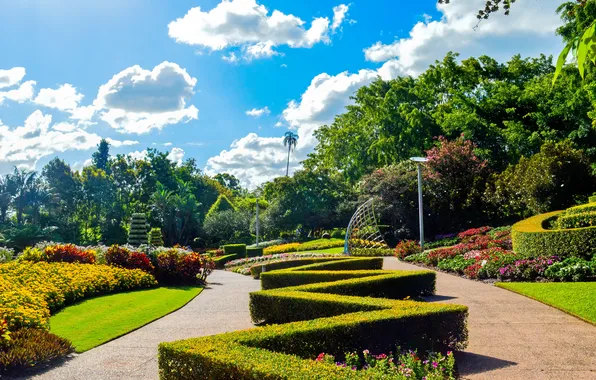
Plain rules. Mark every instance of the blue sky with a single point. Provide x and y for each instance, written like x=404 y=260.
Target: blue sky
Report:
x=173 y=76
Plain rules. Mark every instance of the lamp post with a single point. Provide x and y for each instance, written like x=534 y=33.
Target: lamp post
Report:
x=419 y=161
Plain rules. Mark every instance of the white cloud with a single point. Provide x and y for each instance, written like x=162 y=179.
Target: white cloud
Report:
x=137 y=155
x=137 y=100
x=247 y=24
x=232 y=58
x=529 y=29
x=79 y=166
x=23 y=146
x=339 y=14
x=11 y=77
x=63 y=98
x=167 y=144
x=176 y=155
x=279 y=124
x=252 y=159
x=21 y=94
x=258 y=112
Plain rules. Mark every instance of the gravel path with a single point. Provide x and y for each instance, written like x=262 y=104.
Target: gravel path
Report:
x=515 y=337
x=221 y=307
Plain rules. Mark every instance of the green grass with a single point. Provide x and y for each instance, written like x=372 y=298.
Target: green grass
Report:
x=575 y=298
x=337 y=250
x=98 y=320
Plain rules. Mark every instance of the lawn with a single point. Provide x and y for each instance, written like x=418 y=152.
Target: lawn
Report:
x=576 y=298
x=334 y=250
x=98 y=320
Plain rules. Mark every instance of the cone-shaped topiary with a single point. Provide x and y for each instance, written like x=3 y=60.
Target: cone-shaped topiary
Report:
x=221 y=204
x=156 y=238
x=138 y=230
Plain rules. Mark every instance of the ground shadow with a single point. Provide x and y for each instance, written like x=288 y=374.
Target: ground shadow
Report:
x=40 y=369
x=469 y=363
x=437 y=298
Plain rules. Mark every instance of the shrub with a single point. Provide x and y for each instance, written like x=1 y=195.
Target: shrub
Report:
x=473 y=232
x=254 y=251
x=138 y=230
x=156 y=238
x=371 y=252
x=117 y=256
x=406 y=248
x=572 y=269
x=456 y=264
x=238 y=249
x=68 y=253
x=527 y=269
x=220 y=261
x=29 y=291
x=531 y=239
x=338 y=234
x=221 y=204
x=445 y=242
x=6 y=254
x=592 y=199
x=177 y=268
x=576 y=220
x=314 y=245
x=345 y=324
x=32 y=346
x=268 y=243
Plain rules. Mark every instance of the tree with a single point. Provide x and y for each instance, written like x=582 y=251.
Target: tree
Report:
x=290 y=140
x=20 y=185
x=221 y=204
x=229 y=181
x=101 y=158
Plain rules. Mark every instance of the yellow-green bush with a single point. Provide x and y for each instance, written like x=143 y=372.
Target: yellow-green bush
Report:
x=531 y=238
x=256 y=270
x=344 y=323
x=314 y=245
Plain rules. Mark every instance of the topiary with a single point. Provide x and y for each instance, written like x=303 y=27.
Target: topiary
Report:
x=138 y=230
x=156 y=237
x=221 y=204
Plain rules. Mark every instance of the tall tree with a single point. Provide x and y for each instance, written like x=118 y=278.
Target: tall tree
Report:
x=290 y=140
x=101 y=158
x=20 y=185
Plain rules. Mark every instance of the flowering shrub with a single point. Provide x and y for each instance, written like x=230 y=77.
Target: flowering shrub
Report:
x=572 y=269
x=6 y=254
x=29 y=291
x=406 y=248
x=125 y=258
x=473 y=232
x=117 y=256
x=527 y=269
x=174 y=267
x=406 y=365
x=68 y=253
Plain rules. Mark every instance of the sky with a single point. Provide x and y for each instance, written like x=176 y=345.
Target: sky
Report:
x=221 y=81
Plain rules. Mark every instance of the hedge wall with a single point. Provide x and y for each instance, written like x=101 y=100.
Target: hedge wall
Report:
x=221 y=261
x=239 y=249
x=592 y=199
x=254 y=251
x=344 y=323
x=531 y=239
x=256 y=270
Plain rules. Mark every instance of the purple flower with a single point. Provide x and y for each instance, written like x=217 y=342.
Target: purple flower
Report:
x=435 y=364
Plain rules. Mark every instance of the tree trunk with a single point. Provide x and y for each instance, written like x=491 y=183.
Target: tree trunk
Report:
x=288 y=166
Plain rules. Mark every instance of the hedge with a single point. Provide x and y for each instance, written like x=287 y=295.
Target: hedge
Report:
x=344 y=323
x=530 y=238
x=576 y=220
x=254 y=251
x=592 y=199
x=221 y=261
x=372 y=252
x=589 y=207
x=239 y=249
x=256 y=270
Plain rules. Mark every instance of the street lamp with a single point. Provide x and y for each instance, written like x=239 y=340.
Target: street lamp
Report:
x=419 y=161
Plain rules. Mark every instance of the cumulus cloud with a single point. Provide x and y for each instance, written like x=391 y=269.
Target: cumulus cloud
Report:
x=11 y=77
x=248 y=25
x=258 y=112
x=137 y=100
x=528 y=29
x=63 y=98
x=176 y=155
x=24 y=145
x=21 y=94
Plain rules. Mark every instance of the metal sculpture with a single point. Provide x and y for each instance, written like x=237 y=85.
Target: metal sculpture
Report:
x=363 y=230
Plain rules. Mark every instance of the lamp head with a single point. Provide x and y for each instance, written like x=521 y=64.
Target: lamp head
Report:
x=419 y=159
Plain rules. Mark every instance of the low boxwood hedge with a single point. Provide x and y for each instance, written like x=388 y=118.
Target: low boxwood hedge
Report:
x=577 y=220
x=531 y=238
x=344 y=323
x=592 y=199
x=239 y=249
x=221 y=261
x=254 y=251
x=256 y=270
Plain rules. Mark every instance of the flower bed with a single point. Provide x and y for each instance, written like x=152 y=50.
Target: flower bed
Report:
x=348 y=320
x=314 y=245
x=244 y=265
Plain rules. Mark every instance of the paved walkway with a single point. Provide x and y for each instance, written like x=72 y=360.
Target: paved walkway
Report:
x=222 y=307
x=514 y=337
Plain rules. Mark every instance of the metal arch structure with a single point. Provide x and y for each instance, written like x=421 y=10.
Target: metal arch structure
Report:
x=363 y=230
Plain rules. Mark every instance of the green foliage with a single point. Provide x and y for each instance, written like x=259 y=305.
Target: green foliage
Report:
x=138 y=230
x=221 y=204
x=576 y=220
x=29 y=347
x=221 y=261
x=254 y=251
x=531 y=238
x=257 y=269
x=456 y=264
x=345 y=324
x=356 y=251
x=572 y=269
x=155 y=237
x=229 y=227
x=542 y=182
x=446 y=242
x=238 y=249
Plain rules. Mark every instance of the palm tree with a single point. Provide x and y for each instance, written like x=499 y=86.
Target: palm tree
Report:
x=20 y=184
x=290 y=140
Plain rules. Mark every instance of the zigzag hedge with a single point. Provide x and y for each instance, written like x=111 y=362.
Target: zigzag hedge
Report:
x=346 y=320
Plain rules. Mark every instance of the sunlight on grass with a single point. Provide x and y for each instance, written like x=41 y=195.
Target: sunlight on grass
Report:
x=98 y=320
x=329 y=250
x=576 y=298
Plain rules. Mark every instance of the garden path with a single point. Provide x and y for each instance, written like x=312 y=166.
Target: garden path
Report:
x=515 y=337
x=221 y=307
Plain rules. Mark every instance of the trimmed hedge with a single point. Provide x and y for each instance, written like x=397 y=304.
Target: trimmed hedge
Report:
x=254 y=251
x=256 y=270
x=239 y=249
x=576 y=220
x=345 y=324
x=531 y=239
x=592 y=199
x=372 y=252
x=221 y=261
x=588 y=207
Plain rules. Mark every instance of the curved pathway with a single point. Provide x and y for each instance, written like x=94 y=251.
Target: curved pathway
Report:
x=515 y=337
x=221 y=307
